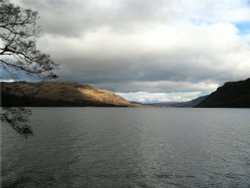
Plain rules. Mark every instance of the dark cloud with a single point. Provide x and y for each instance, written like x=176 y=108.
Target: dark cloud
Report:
x=74 y=18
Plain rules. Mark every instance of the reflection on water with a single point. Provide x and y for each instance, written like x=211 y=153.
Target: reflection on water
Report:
x=17 y=118
x=125 y=147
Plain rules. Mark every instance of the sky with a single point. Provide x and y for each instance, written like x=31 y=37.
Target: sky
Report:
x=147 y=50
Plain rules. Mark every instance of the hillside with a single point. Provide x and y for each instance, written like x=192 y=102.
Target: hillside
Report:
x=58 y=94
x=231 y=94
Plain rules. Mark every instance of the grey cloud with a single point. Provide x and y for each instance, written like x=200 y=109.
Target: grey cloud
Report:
x=123 y=71
x=59 y=17
x=74 y=18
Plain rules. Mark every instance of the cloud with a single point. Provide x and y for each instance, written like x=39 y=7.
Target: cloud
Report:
x=146 y=46
x=7 y=80
x=184 y=52
x=73 y=18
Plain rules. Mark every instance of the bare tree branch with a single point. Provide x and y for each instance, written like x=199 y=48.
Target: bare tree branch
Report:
x=18 y=34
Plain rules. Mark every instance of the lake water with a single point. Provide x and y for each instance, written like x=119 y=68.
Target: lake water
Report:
x=129 y=147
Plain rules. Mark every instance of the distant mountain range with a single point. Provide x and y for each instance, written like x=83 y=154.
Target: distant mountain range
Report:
x=231 y=94
x=58 y=94
x=191 y=103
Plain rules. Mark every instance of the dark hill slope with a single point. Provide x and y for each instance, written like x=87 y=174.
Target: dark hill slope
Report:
x=58 y=94
x=231 y=94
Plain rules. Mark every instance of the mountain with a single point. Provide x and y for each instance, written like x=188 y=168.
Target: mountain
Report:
x=231 y=94
x=58 y=94
x=191 y=103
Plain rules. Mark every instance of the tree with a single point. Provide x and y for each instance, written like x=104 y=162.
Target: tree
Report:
x=18 y=34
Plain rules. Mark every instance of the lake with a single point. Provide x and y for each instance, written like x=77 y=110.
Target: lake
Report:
x=129 y=147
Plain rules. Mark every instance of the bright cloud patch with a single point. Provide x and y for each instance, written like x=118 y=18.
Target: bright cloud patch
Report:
x=145 y=97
